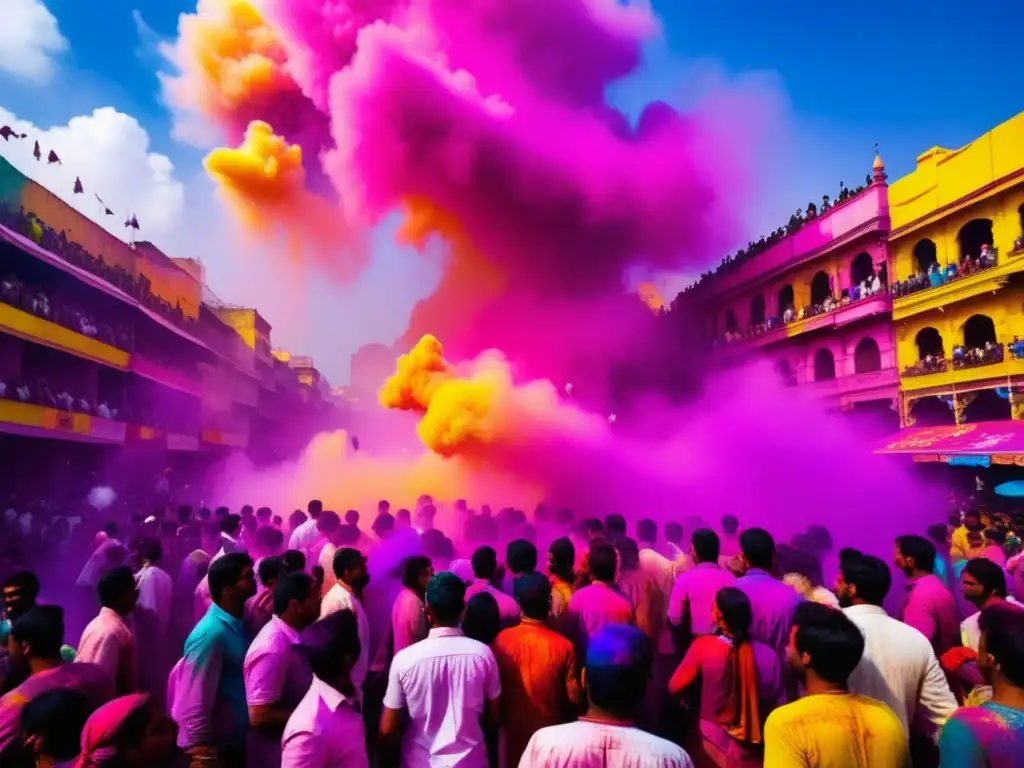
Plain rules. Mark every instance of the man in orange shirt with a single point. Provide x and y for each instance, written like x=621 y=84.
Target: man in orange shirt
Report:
x=538 y=670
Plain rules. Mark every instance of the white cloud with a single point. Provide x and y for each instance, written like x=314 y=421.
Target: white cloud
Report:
x=109 y=151
x=30 y=40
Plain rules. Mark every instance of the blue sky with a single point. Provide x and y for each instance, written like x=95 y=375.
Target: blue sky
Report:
x=908 y=75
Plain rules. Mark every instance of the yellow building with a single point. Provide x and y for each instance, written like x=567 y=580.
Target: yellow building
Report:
x=957 y=250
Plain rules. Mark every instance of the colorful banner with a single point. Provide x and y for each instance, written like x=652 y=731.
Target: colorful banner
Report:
x=985 y=438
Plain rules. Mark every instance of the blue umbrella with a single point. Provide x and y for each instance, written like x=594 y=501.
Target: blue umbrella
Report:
x=1013 y=489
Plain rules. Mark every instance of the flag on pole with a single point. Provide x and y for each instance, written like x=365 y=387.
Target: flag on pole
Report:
x=132 y=222
x=103 y=205
x=37 y=152
x=7 y=133
x=52 y=158
x=78 y=186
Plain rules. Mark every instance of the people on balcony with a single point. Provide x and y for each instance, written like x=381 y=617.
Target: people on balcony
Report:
x=1016 y=348
x=937 y=275
x=29 y=225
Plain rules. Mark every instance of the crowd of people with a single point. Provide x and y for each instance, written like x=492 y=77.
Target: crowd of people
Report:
x=936 y=275
x=872 y=285
x=796 y=222
x=221 y=639
x=28 y=224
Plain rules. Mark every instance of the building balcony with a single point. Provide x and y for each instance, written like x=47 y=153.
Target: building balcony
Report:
x=913 y=299
x=39 y=329
x=815 y=319
x=973 y=366
x=857 y=387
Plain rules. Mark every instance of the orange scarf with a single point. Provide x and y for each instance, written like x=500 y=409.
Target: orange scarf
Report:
x=745 y=725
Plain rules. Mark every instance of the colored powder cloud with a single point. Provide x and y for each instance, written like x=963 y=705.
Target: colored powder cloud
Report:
x=651 y=296
x=264 y=182
x=493 y=118
x=234 y=69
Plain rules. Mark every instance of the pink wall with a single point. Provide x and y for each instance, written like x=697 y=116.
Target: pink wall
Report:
x=867 y=212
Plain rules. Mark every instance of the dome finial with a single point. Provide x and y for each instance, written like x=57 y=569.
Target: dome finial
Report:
x=878 y=167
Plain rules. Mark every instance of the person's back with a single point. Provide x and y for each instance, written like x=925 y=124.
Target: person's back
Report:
x=835 y=730
x=538 y=670
x=773 y=602
x=445 y=684
x=618 y=667
x=588 y=743
x=445 y=675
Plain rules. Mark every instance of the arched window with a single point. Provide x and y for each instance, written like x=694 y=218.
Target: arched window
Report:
x=824 y=365
x=929 y=342
x=785 y=298
x=989 y=405
x=932 y=412
x=866 y=357
x=820 y=289
x=861 y=268
x=730 y=321
x=978 y=330
x=757 y=310
x=973 y=235
x=786 y=372
x=925 y=254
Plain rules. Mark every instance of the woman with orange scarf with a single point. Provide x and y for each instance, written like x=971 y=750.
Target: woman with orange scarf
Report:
x=740 y=683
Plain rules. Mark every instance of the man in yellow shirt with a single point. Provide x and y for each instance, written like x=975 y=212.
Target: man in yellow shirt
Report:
x=830 y=727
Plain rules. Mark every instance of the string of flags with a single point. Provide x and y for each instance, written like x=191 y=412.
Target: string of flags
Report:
x=7 y=133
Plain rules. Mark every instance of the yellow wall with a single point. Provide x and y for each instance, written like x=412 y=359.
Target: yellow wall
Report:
x=1001 y=208
x=944 y=176
x=949 y=188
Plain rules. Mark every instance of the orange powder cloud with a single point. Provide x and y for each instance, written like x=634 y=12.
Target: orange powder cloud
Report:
x=264 y=182
x=650 y=296
x=468 y=283
x=232 y=63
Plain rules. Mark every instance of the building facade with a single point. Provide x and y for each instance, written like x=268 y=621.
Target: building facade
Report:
x=106 y=343
x=812 y=298
x=957 y=244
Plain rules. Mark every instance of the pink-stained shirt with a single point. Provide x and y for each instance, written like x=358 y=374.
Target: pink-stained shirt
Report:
x=98 y=563
x=325 y=731
x=304 y=536
x=443 y=683
x=89 y=679
x=931 y=609
x=107 y=641
x=590 y=744
x=698 y=587
x=508 y=608
x=772 y=605
x=408 y=620
x=276 y=673
x=341 y=599
x=592 y=608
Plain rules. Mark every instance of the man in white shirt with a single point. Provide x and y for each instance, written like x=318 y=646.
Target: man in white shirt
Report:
x=305 y=535
x=351 y=576
x=899 y=666
x=107 y=640
x=446 y=684
x=152 y=616
x=326 y=729
x=616 y=675
x=344 y=536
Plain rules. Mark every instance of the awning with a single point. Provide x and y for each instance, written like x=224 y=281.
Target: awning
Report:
x=985 y=438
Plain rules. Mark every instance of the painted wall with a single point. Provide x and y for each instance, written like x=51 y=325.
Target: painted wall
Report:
x=800 y=352
x=945 y=176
